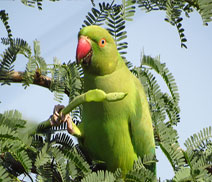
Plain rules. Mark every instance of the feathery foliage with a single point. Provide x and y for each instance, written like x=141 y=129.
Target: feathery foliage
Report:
x=75 y=85
x=51 y=153
x=164 y=108
x=4 y=176
x=48 y=155
x=58 y=73
x=205 y=11
x=4 y=18
x=198 y=158
x=33 y=3
x=140 y=173
x=174 y=18
x=100 y=176
x=116 y=25
x=9 y=57
x=97 y=16
x=175 y=9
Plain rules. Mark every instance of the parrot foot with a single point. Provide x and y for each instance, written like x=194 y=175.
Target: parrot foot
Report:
x=58 y=118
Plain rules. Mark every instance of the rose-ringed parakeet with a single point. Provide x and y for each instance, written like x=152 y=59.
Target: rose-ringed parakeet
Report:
x=114 y=132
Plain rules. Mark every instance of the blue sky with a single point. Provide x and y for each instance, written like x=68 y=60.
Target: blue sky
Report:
x=56 y=27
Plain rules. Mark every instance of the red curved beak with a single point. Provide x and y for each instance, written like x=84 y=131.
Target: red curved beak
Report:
x=83 y=48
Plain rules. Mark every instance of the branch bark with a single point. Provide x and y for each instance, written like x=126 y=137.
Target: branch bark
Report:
x=39 y=79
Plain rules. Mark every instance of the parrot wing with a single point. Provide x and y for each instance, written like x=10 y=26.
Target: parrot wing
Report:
x=142 y=135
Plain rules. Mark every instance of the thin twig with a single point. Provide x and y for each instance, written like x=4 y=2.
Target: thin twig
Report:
x=39 y=79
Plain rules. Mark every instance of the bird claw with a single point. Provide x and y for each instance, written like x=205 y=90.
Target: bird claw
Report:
x=58 y=118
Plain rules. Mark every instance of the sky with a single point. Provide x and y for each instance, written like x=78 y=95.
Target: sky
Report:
x=57 y=26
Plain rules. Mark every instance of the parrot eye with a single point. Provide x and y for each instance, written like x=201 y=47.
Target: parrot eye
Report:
x=102 y=42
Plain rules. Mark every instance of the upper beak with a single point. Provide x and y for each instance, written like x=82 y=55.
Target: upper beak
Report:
x=83 y=49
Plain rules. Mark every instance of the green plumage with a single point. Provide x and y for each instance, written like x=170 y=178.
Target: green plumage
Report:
x=114 y=132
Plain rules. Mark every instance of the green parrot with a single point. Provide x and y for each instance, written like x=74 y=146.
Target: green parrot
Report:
x=114 y=132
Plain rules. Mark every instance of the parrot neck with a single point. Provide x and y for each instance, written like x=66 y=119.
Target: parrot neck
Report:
x=120 y=64
x=90 y=79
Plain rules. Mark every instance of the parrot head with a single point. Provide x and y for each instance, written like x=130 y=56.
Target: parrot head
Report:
x=96 y=51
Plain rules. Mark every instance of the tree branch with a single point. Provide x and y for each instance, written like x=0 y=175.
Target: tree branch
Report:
x=39 y=79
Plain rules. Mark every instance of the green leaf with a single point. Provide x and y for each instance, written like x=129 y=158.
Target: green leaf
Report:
x=196 y=141
x=4 y=18
x=43 y=156
x=4 y=176
x=99 y=176
x=182 y=175
x=23 y=158
x=78 y=161
x=155 y=64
